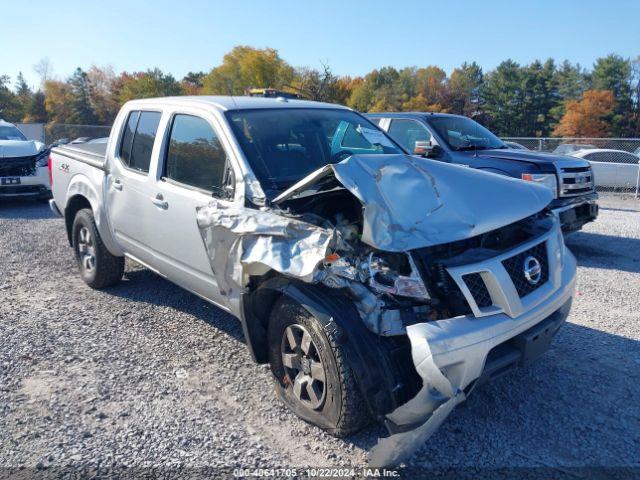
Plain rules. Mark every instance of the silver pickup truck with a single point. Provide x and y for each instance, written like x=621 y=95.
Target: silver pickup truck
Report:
x=377 y=285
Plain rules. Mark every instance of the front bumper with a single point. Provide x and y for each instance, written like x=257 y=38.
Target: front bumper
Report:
x=574 y=213
x=460 y=345
x=453 y=355
x=36 y=185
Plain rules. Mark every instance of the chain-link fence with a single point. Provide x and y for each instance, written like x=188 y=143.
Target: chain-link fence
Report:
x=55 y=132
x=614 y=160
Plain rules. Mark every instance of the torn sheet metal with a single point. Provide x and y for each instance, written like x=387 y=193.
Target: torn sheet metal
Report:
x=414 y=422
x=243 y=241
x=405 y=207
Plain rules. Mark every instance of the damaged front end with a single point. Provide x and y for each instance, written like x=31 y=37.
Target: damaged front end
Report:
x=422 y=249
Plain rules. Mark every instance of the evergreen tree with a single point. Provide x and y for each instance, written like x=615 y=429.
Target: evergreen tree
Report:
x=81 y=110
x=23 y=95
x=539 y=97
x=503 y=99
x=9 y=105
x=613 y=73
x=35 y=111
x=465 y=90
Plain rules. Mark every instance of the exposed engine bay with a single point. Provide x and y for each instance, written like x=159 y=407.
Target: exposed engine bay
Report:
x=409 y=287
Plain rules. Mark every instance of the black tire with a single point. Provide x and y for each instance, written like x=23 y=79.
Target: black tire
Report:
x=343 y=409
x=104 y=269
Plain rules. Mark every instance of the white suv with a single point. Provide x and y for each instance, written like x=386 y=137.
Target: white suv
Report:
x=23 y=165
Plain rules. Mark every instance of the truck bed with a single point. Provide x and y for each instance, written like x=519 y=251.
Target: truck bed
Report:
x=91 y=153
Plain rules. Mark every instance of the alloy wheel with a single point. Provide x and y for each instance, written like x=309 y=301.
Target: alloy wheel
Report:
x=86 y=250
x=303 y=366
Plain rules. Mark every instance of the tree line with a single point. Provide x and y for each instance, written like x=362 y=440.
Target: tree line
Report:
x=539 y=99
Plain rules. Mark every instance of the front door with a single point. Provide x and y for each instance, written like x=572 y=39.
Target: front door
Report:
x=191 y=173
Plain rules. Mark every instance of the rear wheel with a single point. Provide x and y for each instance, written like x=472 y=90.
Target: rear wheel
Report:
x=98 y=267
x=312 y=373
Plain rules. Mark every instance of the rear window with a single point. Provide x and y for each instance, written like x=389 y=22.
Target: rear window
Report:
x=138 y=138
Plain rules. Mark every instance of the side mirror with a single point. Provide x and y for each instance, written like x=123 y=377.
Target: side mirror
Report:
x=424 y=148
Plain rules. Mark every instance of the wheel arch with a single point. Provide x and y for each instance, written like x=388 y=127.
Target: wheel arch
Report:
x=81 y=193
x=74 y=205
x=370 y=355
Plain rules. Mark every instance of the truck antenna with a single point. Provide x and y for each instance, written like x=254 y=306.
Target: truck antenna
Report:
x=230 y=91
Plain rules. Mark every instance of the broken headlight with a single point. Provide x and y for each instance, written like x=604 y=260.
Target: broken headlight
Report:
x=42 y=160
x=396 y=274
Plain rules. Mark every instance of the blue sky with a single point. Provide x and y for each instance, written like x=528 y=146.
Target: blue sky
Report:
x=352 y=36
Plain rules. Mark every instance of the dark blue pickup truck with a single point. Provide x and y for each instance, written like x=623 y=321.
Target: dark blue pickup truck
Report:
x=460 y=140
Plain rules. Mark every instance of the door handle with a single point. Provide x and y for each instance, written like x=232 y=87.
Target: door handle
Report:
x=117 y=184
x=159 y=202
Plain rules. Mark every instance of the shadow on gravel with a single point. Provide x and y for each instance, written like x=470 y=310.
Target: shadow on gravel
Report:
x=145 y=286
x=26 y=208
x=612 y=252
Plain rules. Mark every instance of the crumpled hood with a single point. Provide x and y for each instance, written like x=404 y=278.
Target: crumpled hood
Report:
x=19 y=148
x=410 y=202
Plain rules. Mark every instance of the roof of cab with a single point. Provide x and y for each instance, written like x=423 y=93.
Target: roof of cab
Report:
x=238 y=102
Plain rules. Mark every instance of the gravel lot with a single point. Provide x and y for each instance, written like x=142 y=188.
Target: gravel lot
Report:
x=146 y=374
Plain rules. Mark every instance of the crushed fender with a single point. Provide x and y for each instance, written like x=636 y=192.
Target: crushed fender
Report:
x=243 y=241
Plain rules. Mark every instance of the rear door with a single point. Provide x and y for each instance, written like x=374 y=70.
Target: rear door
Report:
x=130 y=183
x=191 y=173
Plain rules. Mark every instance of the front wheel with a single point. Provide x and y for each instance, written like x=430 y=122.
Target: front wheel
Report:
x=312 y=372
x=98 y=267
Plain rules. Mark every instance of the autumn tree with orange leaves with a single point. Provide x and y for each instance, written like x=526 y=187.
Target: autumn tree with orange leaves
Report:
x=589 y=116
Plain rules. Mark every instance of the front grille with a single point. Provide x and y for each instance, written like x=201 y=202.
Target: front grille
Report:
x=18 y=166
x=515 y=268
x=575 y=181
x=478 y=289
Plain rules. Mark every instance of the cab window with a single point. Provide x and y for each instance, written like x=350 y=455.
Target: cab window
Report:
x=137 y=140
x=195 y=156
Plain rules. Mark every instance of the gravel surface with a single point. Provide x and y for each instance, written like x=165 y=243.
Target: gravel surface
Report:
x=146 y=374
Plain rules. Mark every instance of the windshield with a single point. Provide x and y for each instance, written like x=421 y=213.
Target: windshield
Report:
x=284 y=145
x=462 y=133
x=9 y=132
